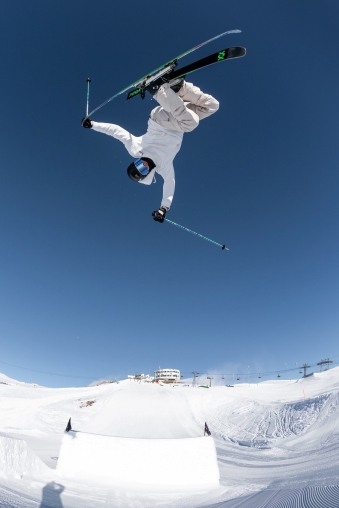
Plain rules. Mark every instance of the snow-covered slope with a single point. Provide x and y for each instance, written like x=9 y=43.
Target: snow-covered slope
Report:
x=9 y=381
x=277 y=441
x=145 y=411
x=261 y=415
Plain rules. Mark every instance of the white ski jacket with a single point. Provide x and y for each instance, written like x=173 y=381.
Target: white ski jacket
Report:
x=166 y=127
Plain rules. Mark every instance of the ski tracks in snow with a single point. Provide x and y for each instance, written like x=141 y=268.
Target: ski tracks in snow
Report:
x=261 y=425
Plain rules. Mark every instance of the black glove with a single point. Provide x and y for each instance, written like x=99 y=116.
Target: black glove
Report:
x=177 y=84
x=153 y=87
x=86 y=122
x=159 y=215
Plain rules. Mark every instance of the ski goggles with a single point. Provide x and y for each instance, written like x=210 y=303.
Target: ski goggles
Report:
x=141 y=167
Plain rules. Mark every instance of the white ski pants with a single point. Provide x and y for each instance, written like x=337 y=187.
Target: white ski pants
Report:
x=175 y=114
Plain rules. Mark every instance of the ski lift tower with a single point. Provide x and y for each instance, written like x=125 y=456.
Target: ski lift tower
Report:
x=324 y=362
x=305 y=367
x=195 y=375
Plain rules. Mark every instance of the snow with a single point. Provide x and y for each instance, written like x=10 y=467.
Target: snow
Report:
x=158 y=413
x=18 y=460
x=190 y=462
x=9 y=381
x=277 y=444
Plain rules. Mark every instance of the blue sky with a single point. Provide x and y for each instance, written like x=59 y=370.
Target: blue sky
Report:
x=90 y=285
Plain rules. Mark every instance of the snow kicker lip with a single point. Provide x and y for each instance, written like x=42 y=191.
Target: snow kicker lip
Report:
x=190 y=462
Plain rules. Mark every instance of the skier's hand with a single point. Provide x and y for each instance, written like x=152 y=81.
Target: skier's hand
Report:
x=154 y=86
x=177 y=84
x=159 y=215
x=86 y=122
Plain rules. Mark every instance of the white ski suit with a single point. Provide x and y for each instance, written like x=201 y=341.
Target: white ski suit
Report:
x=166 y=127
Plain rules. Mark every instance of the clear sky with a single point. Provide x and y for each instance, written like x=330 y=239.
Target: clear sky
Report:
x=90 y=285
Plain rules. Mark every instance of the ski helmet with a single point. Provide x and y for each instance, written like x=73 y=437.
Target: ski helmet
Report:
x=138 y=170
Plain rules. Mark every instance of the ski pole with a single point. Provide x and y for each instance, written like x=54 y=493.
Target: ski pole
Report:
x=197 y=234
x=88 y=82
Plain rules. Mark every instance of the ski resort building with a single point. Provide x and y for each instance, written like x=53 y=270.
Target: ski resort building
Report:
x=167 y=375
x=146 y=378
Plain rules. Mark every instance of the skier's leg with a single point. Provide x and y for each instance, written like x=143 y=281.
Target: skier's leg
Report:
x=201 y=103
x=173 y=112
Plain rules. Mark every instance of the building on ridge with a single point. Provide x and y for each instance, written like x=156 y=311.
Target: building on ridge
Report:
x=145 y=378
x=167 y=375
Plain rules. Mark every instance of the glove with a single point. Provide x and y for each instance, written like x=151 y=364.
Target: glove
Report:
x=177 y=84
x=86 y=122
x=153 y=87
x=159 y=215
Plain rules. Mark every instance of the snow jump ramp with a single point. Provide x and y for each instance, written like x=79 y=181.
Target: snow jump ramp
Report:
x=161 y=463
x=145 y=435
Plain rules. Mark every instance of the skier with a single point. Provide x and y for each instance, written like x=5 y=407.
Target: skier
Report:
x=181 y=106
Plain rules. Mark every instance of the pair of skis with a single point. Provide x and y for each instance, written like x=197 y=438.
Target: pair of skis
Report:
x=140 y=85
x=225 y=54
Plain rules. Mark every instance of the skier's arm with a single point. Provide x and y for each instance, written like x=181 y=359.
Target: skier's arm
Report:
x=168 y=188
x=115 y=131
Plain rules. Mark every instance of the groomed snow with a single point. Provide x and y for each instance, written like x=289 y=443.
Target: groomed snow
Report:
x=277 y=442
x=143 y=410
x=184 y=463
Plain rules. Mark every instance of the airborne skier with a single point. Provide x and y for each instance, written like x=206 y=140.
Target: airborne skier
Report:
x=181 y=106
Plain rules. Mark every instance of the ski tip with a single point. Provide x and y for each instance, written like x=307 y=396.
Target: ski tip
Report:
x=236 y=31
x=224 y=247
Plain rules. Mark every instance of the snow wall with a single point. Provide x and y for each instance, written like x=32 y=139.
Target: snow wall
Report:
x=18 y=460
x=190 y=462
